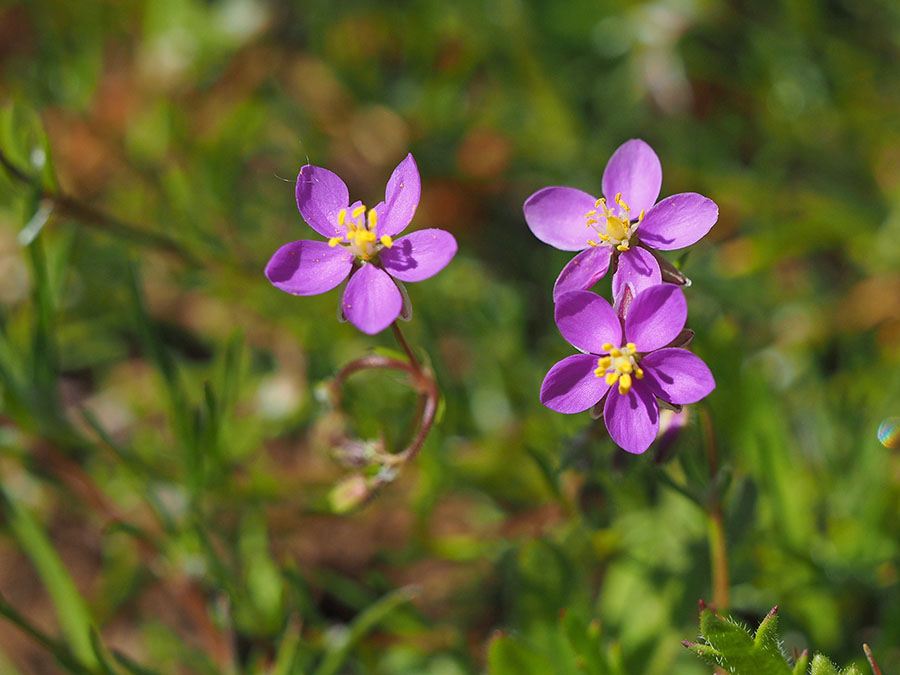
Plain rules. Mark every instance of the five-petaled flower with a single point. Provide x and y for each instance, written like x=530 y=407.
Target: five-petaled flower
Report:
x=624 y=224
x=631 y=372
x=360 y=245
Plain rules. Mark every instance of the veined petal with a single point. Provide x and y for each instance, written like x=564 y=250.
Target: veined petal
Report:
x=419 y=255
x=635 y=172
x=401 y=197
x=677 y=376
x=583 y=271
x=587 y=321
x=372 y=300
x=678 y=221
x=308 y=267
x=571 y=386
x=321 y=194
x=656 y=317
x=637 y=267
x=632 y=419
x=558 y=216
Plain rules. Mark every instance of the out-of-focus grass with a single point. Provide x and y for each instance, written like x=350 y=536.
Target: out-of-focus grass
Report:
x=160 y=417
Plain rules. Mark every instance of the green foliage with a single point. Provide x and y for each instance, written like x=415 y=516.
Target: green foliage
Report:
x=728 y=645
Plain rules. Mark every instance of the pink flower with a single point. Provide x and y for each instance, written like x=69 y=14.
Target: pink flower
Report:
x=630 y=368
x=624 y=224
x=360 y=245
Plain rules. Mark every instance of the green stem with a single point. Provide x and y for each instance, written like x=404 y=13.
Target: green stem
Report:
x=718 y=548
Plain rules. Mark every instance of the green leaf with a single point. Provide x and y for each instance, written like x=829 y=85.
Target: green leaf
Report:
x=731 y=647
x=72 y=611
x=339 y=649
x=509 y=656
x=822 y=665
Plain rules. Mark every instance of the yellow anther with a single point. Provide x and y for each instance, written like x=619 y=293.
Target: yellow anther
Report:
x=604 y=362
x=373 y=218
x=342 y=217
x=622 y=247
x=611 y=378
x=358 y=211
x=365 y=235
x=593 y=243
x=590 y=213
x=618 y=197
x=626 y=367
x=334 y=241
x=592 y=222
x=624 y=383
x=607 y=346
x=631 y=347
x=641 y=217
x=386 y=241
x=615 y=352
x=598 y=372
x=639 y=374
x=600 y=201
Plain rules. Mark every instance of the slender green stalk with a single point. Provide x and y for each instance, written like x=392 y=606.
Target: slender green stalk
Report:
x=718 y=548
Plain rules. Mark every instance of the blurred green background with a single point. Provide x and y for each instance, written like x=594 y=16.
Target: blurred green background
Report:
x=165 y=451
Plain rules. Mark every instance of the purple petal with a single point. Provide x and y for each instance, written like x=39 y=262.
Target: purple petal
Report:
x=372 y=300
x=583 y=271
x=571 y=386
x=635 y=171
x=401 y=197
x=678 y=221
x=587 y=321
x=632 y=419
x=637 y=267
x=558 y=216
x=419 y=255
x=677 y=376
x=320 y=195
x=308 y=267
x=656 y=317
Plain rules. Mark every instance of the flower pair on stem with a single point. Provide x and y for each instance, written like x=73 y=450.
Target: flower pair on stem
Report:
x=633 y=356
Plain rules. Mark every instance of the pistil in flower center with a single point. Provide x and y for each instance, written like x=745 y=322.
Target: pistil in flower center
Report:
x=617 y=227
x=360 y=232
x=619 y=366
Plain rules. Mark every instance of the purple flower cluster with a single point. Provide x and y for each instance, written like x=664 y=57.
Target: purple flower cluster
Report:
x=630 y=357
x=360 y=246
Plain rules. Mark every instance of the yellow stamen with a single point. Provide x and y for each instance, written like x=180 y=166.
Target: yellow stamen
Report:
x=342 y=217
x=615 y=352
x=598 y=372
x=386 y=241
x=334 y=241
x=618 y=197
x=622 y=247
x=607 y=346
x=631 y=347
x=639 y=374
x=358 y=211
x=624 y=383
x=604 y=362
x=641 y=217
x=373 y=218
x=611 y=378
x=626 y=367
x=590 y=213
x=593 y=243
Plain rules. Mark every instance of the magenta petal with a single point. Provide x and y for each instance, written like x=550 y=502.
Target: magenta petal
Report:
x=401 y=197
x=558 y=216
x=632 y=419
x=677 y=376
x=678 y=221
x=587 y=321
x=372 y=300
x=635 y=171
x=321 y=194
x=583 y=271
x=656 y=317
x=308 y=267
x=571 y=386
x=637 y=267
x=419 y=255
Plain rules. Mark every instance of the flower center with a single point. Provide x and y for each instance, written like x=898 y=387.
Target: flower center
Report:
x=360 y=232
x=619 y=365
x=617 y=227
